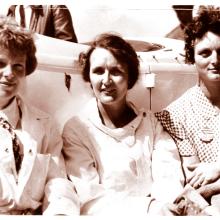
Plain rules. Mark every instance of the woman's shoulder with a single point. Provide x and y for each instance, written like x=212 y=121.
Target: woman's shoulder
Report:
x=148 y=117
x=142 y=112
x=32 y=111
x=183 y=102
x=74 y=121
x=173 y=116
x=77 y=124
x=178 y=109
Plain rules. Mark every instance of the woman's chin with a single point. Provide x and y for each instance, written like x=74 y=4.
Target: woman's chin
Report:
x=107 y=100
x=214 y=77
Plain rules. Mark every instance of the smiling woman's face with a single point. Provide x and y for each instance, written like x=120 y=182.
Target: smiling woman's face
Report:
x=108 y=77
x=12 y=72
x=207 y=58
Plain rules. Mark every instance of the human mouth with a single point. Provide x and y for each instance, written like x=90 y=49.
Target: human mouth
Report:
x=214 y=74
x=108 y=91
x=6 y=83
x=214 y=70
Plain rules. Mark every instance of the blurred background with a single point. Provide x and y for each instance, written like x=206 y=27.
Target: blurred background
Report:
x=139 y=18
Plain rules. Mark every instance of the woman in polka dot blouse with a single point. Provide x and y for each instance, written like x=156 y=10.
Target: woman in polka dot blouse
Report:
x=193 y=120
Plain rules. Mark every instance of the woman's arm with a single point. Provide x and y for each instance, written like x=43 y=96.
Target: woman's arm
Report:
x=167 y=168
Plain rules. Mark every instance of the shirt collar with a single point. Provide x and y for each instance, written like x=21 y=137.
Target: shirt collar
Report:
x=11 y=113
x=126 y=133
x=201 y=104
x=193 y=100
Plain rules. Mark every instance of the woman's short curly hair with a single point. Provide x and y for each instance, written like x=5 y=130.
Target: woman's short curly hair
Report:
x=18 y=40
x=120 y=49
x=208 y=19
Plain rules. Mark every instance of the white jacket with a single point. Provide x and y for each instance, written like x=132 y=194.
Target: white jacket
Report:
x=42 y=178
x=120 y=171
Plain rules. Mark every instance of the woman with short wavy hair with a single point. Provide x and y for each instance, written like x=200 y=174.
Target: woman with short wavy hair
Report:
x=32 y=178
x=193 y=120
x=118 y=156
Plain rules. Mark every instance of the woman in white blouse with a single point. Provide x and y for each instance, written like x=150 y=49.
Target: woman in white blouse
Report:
x=118 y=157
x=32 y=175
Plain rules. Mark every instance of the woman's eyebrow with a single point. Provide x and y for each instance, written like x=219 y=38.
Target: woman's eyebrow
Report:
x=116 y=68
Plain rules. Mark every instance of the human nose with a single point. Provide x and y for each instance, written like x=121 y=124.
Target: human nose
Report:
x=215 y=58
x=7 y=71
x=106 y=78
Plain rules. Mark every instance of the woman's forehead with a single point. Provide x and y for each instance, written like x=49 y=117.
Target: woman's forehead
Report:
x=102 y=55
x=208 y=38
x=18 y=55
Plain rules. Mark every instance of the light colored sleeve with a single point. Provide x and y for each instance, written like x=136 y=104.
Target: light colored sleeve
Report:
x=81 y=166
x=60 y=196
x=52 y=143
x=84 y=171
x=7 y=197
x=167 y=172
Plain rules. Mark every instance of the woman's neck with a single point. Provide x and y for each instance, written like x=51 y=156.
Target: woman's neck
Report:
x=115 y=116
x=5 y=103
x=212 y=92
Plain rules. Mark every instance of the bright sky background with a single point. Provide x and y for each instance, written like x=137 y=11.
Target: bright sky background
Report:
x=131 y=18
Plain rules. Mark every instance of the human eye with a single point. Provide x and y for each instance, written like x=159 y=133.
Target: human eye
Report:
x=115 y=71
x=205 y=53
x=18 y=68
x=98 y=70
x=2 y=63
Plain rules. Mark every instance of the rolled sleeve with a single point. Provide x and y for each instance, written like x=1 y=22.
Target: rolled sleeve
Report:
x=80 y=164
x=60 y=198
x=167 y=170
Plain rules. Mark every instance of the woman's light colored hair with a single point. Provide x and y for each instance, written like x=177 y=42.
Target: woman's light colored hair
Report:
x=18 y=40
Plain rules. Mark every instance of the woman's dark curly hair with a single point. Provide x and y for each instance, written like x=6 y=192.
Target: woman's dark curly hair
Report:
x=208 y=19
x=120 y=49
x=18 y=40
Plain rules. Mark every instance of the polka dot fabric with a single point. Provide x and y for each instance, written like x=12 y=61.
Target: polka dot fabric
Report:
x=194 y=124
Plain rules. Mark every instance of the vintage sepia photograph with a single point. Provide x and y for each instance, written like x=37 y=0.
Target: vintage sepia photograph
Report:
x=110 y=108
